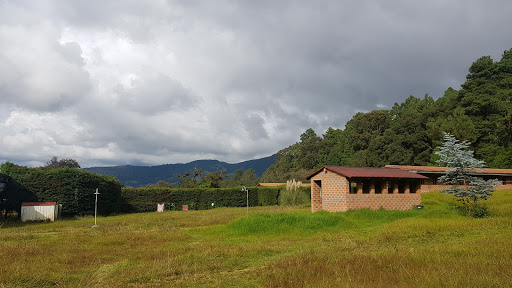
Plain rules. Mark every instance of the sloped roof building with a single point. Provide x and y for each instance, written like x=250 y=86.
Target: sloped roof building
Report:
x=336 y=188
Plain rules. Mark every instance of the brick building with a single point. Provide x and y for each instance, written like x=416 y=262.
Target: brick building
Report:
x=431 y=184
x=335 y=188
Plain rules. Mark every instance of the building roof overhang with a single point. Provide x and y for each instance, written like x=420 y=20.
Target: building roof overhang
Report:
x=369 y=172
x=38 y=203
x=280 y=184
x=442 y=170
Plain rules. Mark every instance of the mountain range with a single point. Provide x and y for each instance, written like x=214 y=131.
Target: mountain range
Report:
x=138 y=176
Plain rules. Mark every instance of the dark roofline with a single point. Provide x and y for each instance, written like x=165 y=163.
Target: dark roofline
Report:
x=471 y=173
x=369 y=172
x=38 y=203
x=314 y=173
x=476 y=172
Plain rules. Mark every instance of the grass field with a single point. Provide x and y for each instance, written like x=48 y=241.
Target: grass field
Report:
x=270 y=247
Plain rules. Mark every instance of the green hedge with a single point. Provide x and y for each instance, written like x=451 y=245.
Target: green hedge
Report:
x=145 y=199
x=73 y=188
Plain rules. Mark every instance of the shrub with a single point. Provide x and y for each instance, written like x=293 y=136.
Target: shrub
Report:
x=477 y=211
x=294 y=194
x=73 y=188
x=145 y=199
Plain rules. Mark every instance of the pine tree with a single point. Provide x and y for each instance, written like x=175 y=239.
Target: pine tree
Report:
x=470 y=189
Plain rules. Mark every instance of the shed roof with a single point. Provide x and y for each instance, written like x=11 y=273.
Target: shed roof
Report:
x=420 y=168
x=369 y=172
x=38 y=203
x=433 y=169
x=280 y=184
x=271 y=184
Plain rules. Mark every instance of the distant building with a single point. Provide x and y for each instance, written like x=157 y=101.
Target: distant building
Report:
x=433 y=173
x=280 y=184
x=336 y=188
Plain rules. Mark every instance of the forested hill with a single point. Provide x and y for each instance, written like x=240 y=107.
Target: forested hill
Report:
x=137 y=176
x=408 y=133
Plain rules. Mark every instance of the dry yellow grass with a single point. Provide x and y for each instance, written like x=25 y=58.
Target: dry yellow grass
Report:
x=272 y=247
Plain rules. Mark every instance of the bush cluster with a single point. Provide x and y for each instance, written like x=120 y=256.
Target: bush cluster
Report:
x=477 y=211
x=145 y=199
x=294 y=194
x=73 y=188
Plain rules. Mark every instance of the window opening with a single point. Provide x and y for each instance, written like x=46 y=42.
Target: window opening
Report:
x=391 y=187
x=413 y=187
x=353 y=187
x=378 y=187
x=401 y=187
x=366 y=187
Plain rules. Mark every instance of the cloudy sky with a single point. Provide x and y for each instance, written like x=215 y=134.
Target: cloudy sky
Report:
x=155 y=82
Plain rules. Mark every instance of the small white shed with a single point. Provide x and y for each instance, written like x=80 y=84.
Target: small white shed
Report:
x=40 y=211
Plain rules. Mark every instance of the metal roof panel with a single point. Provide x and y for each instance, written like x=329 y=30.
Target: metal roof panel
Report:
x=369 y=172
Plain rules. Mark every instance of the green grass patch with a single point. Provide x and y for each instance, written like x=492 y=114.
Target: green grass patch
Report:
x=436 y=205
x=285 y=224
x=307 y=223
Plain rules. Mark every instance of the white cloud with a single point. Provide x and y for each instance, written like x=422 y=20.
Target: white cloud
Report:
x=39 y=73
x=158 y=82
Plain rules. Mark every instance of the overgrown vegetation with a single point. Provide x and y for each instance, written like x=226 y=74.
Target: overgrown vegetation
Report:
x=55 y=163
x=409 y=132
x=294 y=194
x=73 y=188
x=273 y=246
x=197 y=178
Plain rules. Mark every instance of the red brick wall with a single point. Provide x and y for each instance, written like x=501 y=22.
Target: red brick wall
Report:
x=336 y=197
x=316 y=202
x=503 y=187
x=333 y=190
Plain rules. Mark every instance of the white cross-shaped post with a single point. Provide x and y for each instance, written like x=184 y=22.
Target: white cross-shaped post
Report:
x=95 y=208
x=246 y=190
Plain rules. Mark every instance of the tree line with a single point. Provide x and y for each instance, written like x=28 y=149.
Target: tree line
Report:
x=411 y=132
x=197 y=178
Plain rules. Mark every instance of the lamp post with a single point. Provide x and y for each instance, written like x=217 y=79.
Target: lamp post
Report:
x=95 y=208
x=247 y=191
